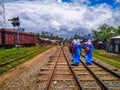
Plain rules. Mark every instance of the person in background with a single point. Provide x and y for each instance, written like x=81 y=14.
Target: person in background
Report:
x=73 y=44
x=78 y=50
x=88 y=49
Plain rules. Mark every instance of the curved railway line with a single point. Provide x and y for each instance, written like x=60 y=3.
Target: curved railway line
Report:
x=58 y=74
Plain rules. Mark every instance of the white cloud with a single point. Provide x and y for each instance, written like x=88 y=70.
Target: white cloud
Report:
x=55 y=25
x=117 y=1
x=60 y=19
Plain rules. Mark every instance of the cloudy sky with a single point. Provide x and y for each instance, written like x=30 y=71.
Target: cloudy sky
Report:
x=63 y=17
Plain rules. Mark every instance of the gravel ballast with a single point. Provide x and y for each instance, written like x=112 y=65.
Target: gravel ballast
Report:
x=23 y=77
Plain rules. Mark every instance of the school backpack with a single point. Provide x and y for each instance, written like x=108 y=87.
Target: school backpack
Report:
x=87 y=49
x=74 y=50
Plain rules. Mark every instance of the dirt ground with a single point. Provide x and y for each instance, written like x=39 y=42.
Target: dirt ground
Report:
x=23 y=76
x=111 y=54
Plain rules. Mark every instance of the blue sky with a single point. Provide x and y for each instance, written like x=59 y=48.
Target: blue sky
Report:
x=63 y=18
x=112 y=3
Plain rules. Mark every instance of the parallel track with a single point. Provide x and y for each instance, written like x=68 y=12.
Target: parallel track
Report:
x=106 y=78
x=58 y=74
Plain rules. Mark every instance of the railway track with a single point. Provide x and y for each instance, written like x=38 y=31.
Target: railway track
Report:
x=58 y=74
x=105 y=77
x=22 y=56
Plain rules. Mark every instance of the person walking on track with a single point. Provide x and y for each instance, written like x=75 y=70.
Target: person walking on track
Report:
x=78 y=50
x=75 y=52
x=88 y=49
x=72 y=47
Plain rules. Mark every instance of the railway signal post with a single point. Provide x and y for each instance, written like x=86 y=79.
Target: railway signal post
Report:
x=15 y=22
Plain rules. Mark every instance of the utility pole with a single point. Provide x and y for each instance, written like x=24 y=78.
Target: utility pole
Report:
x=2 y=14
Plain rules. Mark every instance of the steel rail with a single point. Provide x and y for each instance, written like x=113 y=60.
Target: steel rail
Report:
x=73 y=72
x=100 y=82
x=112 y=72
x=52 y=73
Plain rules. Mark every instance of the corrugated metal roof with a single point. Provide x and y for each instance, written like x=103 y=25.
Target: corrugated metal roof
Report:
x=46 y=39
x=116 y=37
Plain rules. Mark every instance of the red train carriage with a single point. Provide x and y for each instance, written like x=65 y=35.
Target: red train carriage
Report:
x=34 y=38
x=12 y=37
x=7 y=37
x=28 y=38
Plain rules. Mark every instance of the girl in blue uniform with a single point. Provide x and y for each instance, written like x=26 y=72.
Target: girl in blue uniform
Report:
x=73 y=45
x=76 y=53
x=78 y=45
x=88 y=56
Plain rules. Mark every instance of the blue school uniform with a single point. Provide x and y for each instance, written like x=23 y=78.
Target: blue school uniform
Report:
x=88 y=56
x=76 y=56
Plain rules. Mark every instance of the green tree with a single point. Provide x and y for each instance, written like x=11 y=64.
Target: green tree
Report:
x=96 y=34
x=117 y=32
x=104 y=32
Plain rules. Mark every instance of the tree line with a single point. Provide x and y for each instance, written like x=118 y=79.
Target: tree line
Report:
x=45 y=34
x=105 y=32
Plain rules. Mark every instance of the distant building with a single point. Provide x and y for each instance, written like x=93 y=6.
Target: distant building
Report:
x=114 y=45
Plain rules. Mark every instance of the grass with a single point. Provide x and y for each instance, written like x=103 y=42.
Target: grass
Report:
x=9 y=54
x=108 y=59
x=23 y=51
x=98 y=52
x=111 y=62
